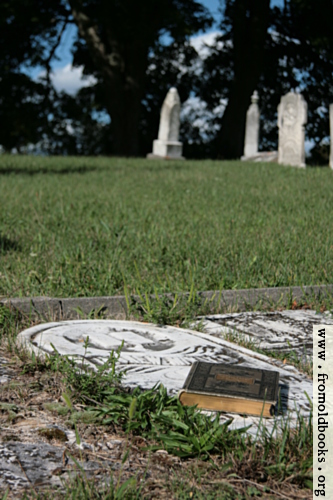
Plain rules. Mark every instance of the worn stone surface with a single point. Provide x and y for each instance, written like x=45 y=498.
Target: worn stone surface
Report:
x=153 y=354
x=252 y=127
x=292 y=117
x=5 y=373
x=331 y=134
x=167 y=145
x=36 y=443
x=26 y=465
x=280 y=331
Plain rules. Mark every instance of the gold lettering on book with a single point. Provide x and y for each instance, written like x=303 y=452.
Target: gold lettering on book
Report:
x=234 y=378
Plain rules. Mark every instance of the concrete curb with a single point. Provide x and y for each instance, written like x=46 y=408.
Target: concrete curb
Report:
x=49 y=308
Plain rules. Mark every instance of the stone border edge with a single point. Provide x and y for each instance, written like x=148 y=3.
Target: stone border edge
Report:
x=50 y=308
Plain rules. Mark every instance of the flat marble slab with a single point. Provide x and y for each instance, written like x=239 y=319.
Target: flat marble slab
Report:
x=280 y=331
x=154 y=354
x=23 y=464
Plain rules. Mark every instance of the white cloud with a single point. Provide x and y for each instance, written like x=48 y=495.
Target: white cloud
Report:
x=70 y=79
x=195 y=111
x=201 y=43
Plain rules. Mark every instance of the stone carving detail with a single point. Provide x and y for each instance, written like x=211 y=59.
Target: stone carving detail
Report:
x=167 y=144
x=280 y=331
x=252 y=127
x=292 y=117
x=331 y=132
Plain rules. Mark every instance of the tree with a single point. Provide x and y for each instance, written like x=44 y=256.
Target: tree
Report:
x=118 y=37
x=22 y=111
x=30 y=31
x=115 y=41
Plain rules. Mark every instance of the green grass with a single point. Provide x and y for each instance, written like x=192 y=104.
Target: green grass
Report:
x=98 y=226
x=91 y=226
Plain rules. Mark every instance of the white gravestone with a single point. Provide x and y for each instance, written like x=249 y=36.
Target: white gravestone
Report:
x=331 y=131
x=167 y=144
x=292 y=117
x=252 y=127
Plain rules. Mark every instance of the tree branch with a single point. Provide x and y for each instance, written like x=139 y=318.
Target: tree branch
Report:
x=106 y=62
x=52 y=52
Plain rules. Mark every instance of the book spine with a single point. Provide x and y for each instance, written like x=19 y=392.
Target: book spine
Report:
x=190 y=375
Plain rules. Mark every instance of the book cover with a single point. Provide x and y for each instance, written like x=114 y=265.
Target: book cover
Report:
x=231 y=388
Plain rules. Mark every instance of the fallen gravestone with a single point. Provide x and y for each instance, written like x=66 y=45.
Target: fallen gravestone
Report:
x=154 y=354
x=167 y=144
x=280 y=331
x=292 y=117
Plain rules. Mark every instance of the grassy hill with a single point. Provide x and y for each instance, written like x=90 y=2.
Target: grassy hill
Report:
x=87 y=226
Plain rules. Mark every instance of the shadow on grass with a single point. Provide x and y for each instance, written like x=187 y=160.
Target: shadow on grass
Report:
x=165 y=165
x=6 y=245
x=42 y=170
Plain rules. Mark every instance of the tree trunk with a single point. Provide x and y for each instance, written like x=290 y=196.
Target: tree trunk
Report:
x=122 y=69
x=123 y=104
x=250 y=23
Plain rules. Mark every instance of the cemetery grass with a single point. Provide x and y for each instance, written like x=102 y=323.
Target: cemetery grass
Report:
x=166 y=451
x=97 y=226
x=105 y=226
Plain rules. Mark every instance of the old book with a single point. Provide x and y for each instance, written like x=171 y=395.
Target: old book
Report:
x=231 y=388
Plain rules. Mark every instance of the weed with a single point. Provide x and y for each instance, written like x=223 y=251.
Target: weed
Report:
x=172 y=309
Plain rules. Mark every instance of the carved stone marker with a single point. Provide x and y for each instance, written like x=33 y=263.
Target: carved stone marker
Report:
x=331 y=131
x=155 y=353
x=167 y=144
x=292 y=117
x=252 y=127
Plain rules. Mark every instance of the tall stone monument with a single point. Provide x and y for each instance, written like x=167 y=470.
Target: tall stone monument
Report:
x=331 y=133
x=252 y=127
x=292 y=117
x=167 y=144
